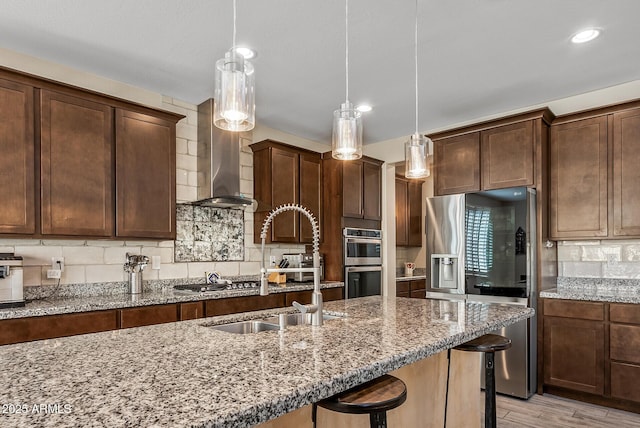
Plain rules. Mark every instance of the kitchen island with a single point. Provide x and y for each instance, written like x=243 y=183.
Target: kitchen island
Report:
x=188 y=374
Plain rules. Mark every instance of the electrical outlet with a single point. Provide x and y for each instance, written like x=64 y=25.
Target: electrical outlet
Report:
x=54 y=274
x=155 y=262
x=57 y=263
x=272 y=260
x=612 y=260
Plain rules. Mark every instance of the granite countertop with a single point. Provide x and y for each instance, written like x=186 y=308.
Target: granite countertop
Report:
x=595 y=289
x=164 y=295
x=186 y=374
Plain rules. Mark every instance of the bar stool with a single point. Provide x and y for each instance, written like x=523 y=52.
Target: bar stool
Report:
x=375 y=398
x=489 y=344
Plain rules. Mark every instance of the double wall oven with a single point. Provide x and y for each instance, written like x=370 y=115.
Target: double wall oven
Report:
x=362 y=262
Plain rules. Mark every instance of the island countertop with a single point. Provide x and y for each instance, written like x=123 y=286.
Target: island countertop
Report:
x=187 y=374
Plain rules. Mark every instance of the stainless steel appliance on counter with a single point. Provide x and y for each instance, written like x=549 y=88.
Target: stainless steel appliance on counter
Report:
x=302 y=260
x=11 y=281
x=362 y=262
x=481 y=247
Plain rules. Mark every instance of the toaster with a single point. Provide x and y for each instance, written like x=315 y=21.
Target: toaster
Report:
x=304 y=260
x=11 y=283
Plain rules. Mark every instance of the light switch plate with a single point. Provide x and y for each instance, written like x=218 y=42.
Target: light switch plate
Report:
x=155 y=262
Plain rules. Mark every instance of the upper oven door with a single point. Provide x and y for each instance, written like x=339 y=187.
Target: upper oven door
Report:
x=362 y=252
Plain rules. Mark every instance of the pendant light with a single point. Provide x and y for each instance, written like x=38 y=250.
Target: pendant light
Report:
x=346 y=143
x=418 y=148
x=235 y=106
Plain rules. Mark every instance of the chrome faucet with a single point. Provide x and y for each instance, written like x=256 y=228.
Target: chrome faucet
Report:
x=315 y=309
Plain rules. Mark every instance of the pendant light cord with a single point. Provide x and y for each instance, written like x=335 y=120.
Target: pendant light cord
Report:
x=416 y=59
x=346 y=50
x=233 y=45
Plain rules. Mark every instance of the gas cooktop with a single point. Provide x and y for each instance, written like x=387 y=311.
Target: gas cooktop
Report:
x=201 y=288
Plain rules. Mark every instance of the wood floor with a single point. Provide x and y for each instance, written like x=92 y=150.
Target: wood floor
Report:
x=548 y=411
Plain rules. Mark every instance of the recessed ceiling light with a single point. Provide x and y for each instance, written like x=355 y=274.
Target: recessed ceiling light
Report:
x=246 y=52
x=586 y=35
x=363 y=108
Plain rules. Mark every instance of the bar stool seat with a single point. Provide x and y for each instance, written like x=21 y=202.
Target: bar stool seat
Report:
x=375 y=398
x=489 y=344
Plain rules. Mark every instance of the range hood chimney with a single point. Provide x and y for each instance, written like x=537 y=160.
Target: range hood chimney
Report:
x=218 y=164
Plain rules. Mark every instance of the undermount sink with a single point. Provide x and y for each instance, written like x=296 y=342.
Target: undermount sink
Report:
x=298 y=318
x=246 y=327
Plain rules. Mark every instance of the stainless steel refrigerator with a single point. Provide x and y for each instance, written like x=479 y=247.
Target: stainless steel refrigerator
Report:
x=481 y=248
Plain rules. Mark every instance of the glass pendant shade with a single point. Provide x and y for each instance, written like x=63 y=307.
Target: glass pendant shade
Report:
x=234 y=98
x=416 y=152
x=346 y=143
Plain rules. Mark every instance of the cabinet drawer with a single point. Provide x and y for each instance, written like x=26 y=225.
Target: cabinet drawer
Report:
x=573 y=309
x=136 y=317
x=48 y=327
x=419 y=294
x=304 y=297
x=418 y=284
x=624 y=343
x=243 y=304
x=624 y=313
x=625 y=379
x=191 y=310
x=403 y=286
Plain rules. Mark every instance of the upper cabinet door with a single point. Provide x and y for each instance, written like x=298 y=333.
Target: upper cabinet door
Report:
x=457 y=164
x=626 y=173
x=310 y=192
x=352 y=188
x=284 y=190
x=372 y=191
x=578 y=194
x=414 y=219
x=145 y=176
x=76 y=166
x=402 y=199
x=507 y=156
x=16 y=162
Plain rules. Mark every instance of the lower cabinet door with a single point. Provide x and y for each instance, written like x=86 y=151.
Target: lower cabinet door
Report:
x=243 y=304
x=149 y=315
x=191 y=310
x=574 y=354
x=625 y=379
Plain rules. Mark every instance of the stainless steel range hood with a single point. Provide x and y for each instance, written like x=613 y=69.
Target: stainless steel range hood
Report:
x=218 y=164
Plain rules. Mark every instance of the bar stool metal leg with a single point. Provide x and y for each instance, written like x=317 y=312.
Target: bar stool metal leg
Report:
x=378 y=420
x=489 y=391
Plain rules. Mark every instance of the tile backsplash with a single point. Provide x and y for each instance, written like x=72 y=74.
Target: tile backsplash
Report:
x=599 y=259
x=206 y=234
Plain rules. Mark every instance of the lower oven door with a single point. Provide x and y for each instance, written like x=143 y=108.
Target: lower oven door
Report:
x=363 y=281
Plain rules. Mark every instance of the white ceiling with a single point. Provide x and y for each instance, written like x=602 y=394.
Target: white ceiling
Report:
x=477 y=57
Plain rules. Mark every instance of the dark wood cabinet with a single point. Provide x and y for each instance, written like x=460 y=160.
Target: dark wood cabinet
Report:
x=284 y=174
x=351 y=197
x=148 y=315
x=626 y=173
x=304 y=297
x=574 y=354
x=408 y=212
x=76 y=164
x=593 y=174
x=578 y=194
x=17 y=174
x=145 y=196
x=456 y=164
x=508 y=156
x=243 y=304
x=415 y=288
x=371 y=190
x=591 y=352
x=490 y=155
x=79 y=170
x=191 y=310
x=52 y=326
x=402 y=208
x=352 y=189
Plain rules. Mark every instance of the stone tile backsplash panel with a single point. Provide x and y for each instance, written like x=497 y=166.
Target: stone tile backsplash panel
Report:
x=206 y=234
